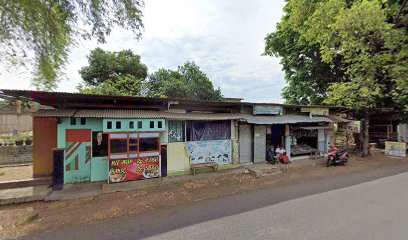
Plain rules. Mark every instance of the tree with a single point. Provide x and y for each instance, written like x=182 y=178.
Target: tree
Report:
x=187 y=82
x=367 y=41
x=306 y=75
x=42 y=32
x=122 y=86
x=113 y=73
x=106 y=65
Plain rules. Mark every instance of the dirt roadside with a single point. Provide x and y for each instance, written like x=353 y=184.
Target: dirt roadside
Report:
x=22 y=219
x=12 y=173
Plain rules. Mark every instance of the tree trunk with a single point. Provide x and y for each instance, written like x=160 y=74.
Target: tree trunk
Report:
x=365 y=151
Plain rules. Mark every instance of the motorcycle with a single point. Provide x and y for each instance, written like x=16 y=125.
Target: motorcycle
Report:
x=337 y=157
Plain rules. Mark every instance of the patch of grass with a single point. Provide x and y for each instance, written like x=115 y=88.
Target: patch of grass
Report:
x=32 y=218
x=2 y=173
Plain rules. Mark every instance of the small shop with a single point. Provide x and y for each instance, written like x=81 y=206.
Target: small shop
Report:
x=312 y=136
x=115 y=150
x=308 y=140
x=300 y=133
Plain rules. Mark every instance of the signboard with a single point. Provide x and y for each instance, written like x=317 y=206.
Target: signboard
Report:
x=122 y=170
x=395 y=149
x=316 y=111
x=354 y=126
x=215 y=151
x=267 y=110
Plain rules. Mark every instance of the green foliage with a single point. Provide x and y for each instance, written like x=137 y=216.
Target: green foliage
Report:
x=187 y=82
x=122 y=86
x=106 y=65
x=113 y=73
x=364 y=43
x=123 y=74
x=42 y=31
x=307 y=76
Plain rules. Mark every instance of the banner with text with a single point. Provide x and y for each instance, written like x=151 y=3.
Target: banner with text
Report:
x=122 y=170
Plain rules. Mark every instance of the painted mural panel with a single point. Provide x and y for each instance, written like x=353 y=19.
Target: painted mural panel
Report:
x=123 y=170
x=216 y=151
x=78 y=150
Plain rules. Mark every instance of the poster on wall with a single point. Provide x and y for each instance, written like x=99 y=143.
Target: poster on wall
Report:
x=213 y=151
x=122 y=170
x=354 y=126
x=395 y=149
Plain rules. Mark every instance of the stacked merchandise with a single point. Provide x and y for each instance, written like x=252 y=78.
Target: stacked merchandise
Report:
x=301 y=149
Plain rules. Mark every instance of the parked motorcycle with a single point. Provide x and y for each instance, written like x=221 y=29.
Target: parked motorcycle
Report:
x=337 y=156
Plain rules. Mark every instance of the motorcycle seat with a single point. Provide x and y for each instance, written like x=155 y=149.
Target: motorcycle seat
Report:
x=341 y=152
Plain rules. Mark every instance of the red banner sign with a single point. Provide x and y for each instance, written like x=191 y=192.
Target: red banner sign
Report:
x=122 y=170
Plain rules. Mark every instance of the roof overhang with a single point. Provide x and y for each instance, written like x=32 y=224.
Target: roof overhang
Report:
x=283 y=119
x=338 y=119
x=134 y=114
x=317 y=127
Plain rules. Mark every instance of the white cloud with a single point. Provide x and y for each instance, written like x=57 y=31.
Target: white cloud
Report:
x=225 y=38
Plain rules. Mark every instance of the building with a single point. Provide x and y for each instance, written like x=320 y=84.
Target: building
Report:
x=116 y=139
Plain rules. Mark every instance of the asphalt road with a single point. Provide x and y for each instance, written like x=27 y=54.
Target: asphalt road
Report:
x=369 y=205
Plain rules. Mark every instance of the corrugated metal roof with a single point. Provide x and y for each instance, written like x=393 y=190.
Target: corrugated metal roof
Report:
x=55 y=113
x=42 y=95
x=283 y=119
x=122 y=113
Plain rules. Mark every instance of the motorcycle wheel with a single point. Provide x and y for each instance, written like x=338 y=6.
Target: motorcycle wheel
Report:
x=328 y=162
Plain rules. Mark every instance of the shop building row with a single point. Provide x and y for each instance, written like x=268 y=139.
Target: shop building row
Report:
x=87 y=138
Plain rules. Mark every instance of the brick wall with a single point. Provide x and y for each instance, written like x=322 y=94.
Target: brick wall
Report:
x=16 y=154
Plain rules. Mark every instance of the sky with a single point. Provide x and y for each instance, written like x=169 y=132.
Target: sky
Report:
x=225 y=38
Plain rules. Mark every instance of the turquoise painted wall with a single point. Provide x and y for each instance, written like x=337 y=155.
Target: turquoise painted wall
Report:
x=99 y=165
x=99 y=169
x=125 y=125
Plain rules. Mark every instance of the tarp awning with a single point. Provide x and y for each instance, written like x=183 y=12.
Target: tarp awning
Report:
x=131 y=113
x=283 y=119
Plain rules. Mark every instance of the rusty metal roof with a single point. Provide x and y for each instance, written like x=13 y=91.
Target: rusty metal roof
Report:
x=283 y=119
x=55 y=113
x=132 y=113
x=79 y=100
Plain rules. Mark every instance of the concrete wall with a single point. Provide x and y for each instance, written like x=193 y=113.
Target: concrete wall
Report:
x=246 y=143
x=321 y=139
x=16 y=154
x=403 y=132
x=45 y=139
x=259 y=143
x=177 y=158
x=12 y=122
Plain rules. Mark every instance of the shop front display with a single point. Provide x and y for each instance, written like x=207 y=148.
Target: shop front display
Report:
x=304 y=141
x=133 y=156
